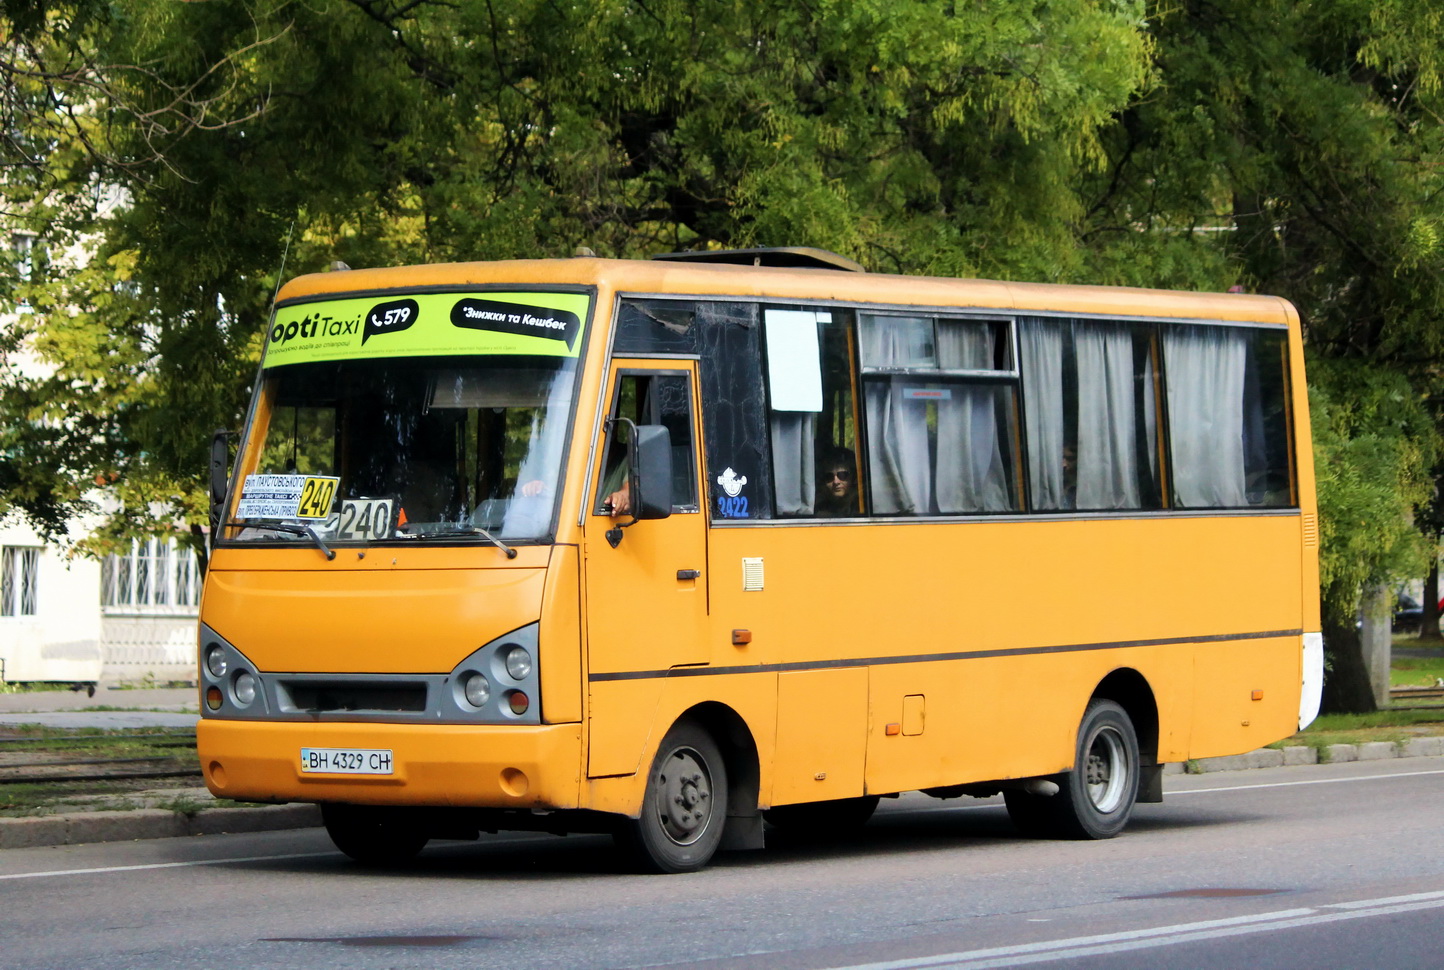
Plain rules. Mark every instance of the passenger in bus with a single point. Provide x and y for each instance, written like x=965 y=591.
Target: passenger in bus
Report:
x=836 y=484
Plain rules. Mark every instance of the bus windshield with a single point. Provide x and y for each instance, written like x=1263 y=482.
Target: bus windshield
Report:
x=407 y=448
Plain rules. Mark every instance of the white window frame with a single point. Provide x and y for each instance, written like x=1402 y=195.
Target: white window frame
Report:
x=156 y=576
x=19 y=580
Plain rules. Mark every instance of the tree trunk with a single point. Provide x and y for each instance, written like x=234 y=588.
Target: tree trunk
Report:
x=1429 y=621
x=1348 y=686
x=1377 y=641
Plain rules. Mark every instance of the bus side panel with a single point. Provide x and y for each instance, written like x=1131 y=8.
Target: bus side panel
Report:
x=1246 y=695
x=1004 y=629
x=560 y=638
x=821 y=735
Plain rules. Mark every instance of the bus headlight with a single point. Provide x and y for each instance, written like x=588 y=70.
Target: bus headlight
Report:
x=216 y=660
x=477 y=689
x=518 y=663
x=243 y=688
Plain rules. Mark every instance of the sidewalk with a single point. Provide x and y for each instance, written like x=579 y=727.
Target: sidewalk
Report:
x=180 y=812
x=169 y=812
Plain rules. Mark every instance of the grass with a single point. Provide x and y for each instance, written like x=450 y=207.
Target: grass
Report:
x=34 y=743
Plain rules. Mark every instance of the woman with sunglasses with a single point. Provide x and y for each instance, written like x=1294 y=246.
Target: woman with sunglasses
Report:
x=837 y=484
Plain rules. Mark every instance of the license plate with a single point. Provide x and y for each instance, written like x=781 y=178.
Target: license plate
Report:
x=347 y=761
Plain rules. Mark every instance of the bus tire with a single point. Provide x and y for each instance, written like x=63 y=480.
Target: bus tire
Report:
x=684 y=808
x=1096 y=798
x=373 y=835
x=823 y=819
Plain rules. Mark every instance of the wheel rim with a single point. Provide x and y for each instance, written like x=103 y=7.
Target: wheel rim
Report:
x=684 y=804
x=1107 y=770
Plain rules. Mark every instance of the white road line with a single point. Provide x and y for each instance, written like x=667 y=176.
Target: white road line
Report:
x=1111 y=943
x=1312 y=781
x=161 y=865
x=102 y=870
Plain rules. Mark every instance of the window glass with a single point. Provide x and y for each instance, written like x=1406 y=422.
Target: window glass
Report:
x=1228 y=417
x=1092 y=414
x=939 y=444
x=651 y=399
x=19 y=580
x=416 y=447
x=155 y=575
x=734 y=417
x=812 y=416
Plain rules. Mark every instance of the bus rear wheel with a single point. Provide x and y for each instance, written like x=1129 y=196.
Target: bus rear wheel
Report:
x=373 y=835
x=1095 y=799
x=684 y=807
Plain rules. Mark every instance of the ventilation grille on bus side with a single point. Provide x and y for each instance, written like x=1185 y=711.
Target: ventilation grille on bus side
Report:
x=1311 y=529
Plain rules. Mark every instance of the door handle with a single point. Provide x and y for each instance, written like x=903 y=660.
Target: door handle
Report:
x=688 y=573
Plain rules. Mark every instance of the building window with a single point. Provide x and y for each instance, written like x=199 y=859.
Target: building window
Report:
x=155 y=576
x=19 y=574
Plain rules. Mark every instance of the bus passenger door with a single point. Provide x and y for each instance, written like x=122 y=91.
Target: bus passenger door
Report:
x=646 y=598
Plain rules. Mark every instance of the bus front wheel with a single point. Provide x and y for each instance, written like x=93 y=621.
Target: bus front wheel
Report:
x=684 y=807
x=1095 y=799
x=372 y=835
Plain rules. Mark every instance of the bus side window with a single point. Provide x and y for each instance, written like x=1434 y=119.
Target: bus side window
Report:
x=1228 y=419
x=1092 y=415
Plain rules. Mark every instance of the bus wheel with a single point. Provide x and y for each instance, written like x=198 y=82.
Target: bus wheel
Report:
x=372 y=835
x=823 y=819
x=1095 y=799
x=685 y=805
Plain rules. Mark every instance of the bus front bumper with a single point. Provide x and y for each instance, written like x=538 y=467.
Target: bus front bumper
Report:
x=492 y=766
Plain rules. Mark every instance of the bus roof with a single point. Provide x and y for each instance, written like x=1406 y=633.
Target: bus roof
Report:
x=681 y=279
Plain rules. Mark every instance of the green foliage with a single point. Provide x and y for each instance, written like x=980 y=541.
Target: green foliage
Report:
x=1374 y=444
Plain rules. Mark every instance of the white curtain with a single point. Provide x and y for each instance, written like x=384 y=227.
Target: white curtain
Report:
x=898 y=474
x=793 y=434
x=1107 y=432
x=1205 y=376
x=971 y=476
x=1042 y=356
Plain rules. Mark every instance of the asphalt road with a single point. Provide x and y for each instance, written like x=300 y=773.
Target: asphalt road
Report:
x=1332 y=866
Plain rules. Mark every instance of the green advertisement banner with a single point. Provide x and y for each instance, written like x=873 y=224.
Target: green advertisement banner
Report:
x=428 y=325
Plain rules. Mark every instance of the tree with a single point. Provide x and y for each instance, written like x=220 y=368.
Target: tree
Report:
x=1295 y=149
x=913 y=135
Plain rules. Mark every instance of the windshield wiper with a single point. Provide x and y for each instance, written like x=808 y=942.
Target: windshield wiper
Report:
x=305 y=531
x=471 y=530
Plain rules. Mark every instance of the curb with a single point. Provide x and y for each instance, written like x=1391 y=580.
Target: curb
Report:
x=1430 y=747
x=74 y=828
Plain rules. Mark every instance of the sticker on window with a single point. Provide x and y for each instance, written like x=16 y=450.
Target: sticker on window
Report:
x=286 y=497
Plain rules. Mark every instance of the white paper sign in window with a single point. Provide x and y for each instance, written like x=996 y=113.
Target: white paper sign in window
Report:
x=794 y=365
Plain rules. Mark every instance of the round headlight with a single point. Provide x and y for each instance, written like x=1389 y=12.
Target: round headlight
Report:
x=244 y=688
x=216 y=660
x=518 y=663
x=477 y=689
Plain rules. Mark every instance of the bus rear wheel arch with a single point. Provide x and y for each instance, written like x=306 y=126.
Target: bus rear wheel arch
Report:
x=1095 y=800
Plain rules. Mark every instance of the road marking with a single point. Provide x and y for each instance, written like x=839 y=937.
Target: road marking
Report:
x=102 y=870
x=1312 y=781
x=1107 y=944
x=162 y=865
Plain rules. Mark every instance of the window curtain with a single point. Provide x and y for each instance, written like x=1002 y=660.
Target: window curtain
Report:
x=1041 y=344
x=1107 y=431
x=971 y=476
x=793 y=461
x=1205 y=377
x=898 y=473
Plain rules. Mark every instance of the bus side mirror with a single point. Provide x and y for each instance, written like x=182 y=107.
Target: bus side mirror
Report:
x=220 y=475
x=652 y=472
